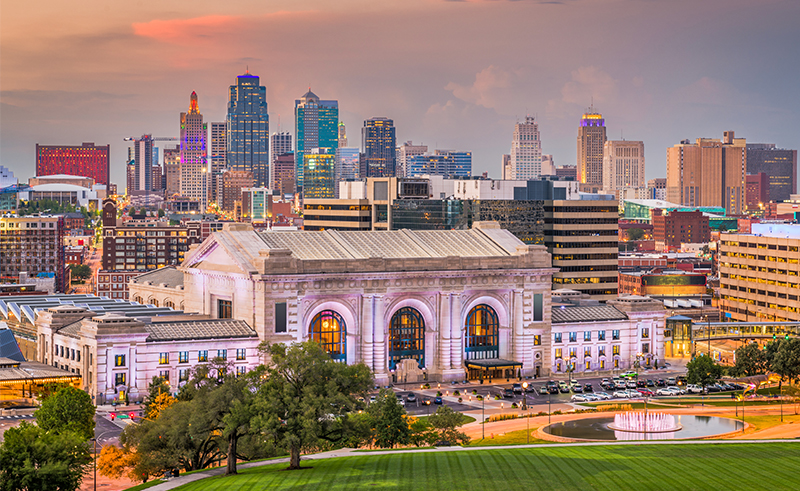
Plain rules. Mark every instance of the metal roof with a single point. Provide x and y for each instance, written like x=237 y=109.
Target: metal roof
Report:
x=26 y=308
x=564 y=315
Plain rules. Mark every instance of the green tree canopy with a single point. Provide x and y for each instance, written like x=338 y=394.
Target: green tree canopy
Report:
x=445 y=421
x=635 y=233
x=786 y=361
x=80 y=271
x=34 y=459
x=389 y=421
x=69 y=409
x=304 y=396
x=750 y=360
x=703 y=371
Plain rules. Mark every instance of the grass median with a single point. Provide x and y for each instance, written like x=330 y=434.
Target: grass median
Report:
x=634 y=467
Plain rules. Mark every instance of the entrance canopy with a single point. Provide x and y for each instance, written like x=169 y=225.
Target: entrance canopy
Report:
x=492 y=364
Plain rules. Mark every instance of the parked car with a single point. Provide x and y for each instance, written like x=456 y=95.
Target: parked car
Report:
x=588 y=388
x=544 y=390
x=694 y=389
x=671 y=381
x=665 y=391
x=411 y=398
x=641 y=384
x=517 y=388
x=620 y=384
x=646 y=392
x=591 y=397
x=621 y=394
x=633 y=393
x=603 y=395
x=650 y=382
x=661 y=383
x=426 y=401
x=437 y=400
x=530 y=388
x=628 y=374
x=401 y=401
x=553 y=390
x=563 y=388
x=577 y=389
x=578 y=398
x=631 y=384
x=508 y=393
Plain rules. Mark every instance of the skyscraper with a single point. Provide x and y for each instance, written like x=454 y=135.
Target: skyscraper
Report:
x=623 y=165
x=194 y=154
x=280 y=143
x=248 y=128
x=526 y=151
x=217 y=161
x=378 y=140
x=446 y=163
x=143 y=164
x=347 y=163
x=86 y=160
x=316 y=126
x=708 y=172
x=342 y=135
x=172 y=171
x=406 y=151
x=591 y=138
x=320 y=172
x=283 y=170
x=780 y=166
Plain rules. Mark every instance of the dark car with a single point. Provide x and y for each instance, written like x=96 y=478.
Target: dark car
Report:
x=426 y=402
x=530 y=388
x=437 y=400
x=517 y=388
x=660 y=383
x=650 y=383
x=553 y=390
x=588 y=388
x=411 y=398
x=641 y=384
x=508 y=393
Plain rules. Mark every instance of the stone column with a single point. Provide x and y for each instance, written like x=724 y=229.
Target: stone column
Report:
x=379 y=355
x=456 y=324
x=445 y=313
x=517 y=327
x=367 y=325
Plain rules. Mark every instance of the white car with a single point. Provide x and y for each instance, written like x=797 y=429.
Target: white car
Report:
x=603 y=395
x=694 y=389
x=578 y=398
x=634 y=393
x=591 y=397
x=665 y=391
x=401 y=401
x=623 y=394
x=619 y=384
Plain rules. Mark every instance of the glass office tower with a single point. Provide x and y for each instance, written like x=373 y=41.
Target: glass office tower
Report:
x=248 y=128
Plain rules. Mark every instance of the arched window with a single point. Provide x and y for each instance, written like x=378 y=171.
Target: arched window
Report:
x=169 y=303
x=482 y=328
x=407 y=337
x=137 y=299
x=330 y=331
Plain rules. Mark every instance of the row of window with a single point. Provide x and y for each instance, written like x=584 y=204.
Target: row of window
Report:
x=587 y=336
x=121 y=378
x=587 y=351
x=183 y=357
x=65 y=352
x=760 y=246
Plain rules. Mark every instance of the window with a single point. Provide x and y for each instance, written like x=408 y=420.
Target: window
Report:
x=222 y=354
x=588 y=365
x=537 y=340
x=538 y=310
x=407 y=337
x=616 y=363
x=79 y=355
x=587 y=352
x=119 y=379
x=280 y=317
x=573 y=337
x=119 y=361
x=573 y=352
x=557 y=337
x=587 y=335
x=164 y=374
x=601 y=335
x=183 y=357
x=482 y=333
x=646 y=348
x=241 y=371
x=329 y=330
x=163 y=358
x=615 y=335
x=241 y=354
x=224 y=309
x=601 y=351
x=615 y=350
x=602 y=364
x=558 y=353
x=183 y=374
x=202 y=356
x=72 y=353
x=645 y=333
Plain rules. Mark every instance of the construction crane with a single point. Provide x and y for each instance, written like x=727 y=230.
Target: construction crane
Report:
x=144 y=181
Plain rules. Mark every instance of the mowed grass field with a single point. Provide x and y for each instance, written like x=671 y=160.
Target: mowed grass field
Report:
x=635 y=467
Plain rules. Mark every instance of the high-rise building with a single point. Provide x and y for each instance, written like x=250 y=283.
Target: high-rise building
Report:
x=316 y=126
x=33 y=245
x=172 y=171
x=406 y=151
x=623 y=164
x=709 y=172
x=548 y=165
x=445 y=163
x=319 y=168
x=780 y=165
x=233 y=181
x=525 y=161
x=671 y=229
x=194 y=154
x=378 y=140
x=248 y=128
x=342 y=135
x=86 y=160
x=283 y=170
x=280 y=143
x=757 y=191
x=657 y=188
x=130 y=177
x=567 y=172
x=505 y=167
x=143 y=163
x=156 y=172
x=218 y=146
x=347 y=161
x=591 y=139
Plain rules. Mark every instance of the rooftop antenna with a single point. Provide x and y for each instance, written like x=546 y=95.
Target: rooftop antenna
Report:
x=247 y=69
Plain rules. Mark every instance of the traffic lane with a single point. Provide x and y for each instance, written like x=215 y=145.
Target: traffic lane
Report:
x=106 y=432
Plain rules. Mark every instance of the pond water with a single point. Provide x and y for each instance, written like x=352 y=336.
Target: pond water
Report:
x=597 y=429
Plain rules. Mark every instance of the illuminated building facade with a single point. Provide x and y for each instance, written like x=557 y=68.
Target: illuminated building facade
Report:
x=780 y=166
x=86 y=160
x=445 y=163
x=248 y=128
x=525 y=161
x=623 y=165
x=378 y=141
x=194 y=154
x=591 y=141
x=316 y=124
x=319 y=169
x=233 y=182
x=283 y=169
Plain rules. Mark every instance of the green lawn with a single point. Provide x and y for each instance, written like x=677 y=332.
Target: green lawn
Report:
x=518 y=437
x=635 y=467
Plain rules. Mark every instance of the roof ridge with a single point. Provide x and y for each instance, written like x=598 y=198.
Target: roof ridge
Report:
x=339 y=239
x=418 y=241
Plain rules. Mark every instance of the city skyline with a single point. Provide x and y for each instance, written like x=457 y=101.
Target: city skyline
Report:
x=648 y=71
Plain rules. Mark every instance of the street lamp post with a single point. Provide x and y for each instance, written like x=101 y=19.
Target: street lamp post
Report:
x=483 y=417
x=525 y=395
x=708 y=334
x=549 y=400
x=94 y=442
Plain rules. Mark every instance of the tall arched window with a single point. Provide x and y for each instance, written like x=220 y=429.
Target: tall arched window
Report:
x=482 y=328
x=407 y=337
x=330 y=331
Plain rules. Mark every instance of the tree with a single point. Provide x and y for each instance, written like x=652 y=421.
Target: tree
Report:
x=114 y=462
x=445 y=421
x=304 y=395
x=786 y=361
x=750 y=360
x=421 y=432
x=161 y=213
x=32 y=458
x=80 y=271
x=161 y=402
x=158 y=385
x=69 y=409
x=703 y=371
x=132 y=212
x=388 y=419
x=635 y=234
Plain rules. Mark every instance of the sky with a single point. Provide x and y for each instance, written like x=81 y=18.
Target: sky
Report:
x=452 y=74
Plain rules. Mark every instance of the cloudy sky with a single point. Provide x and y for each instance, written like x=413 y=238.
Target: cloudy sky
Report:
x=452 y=74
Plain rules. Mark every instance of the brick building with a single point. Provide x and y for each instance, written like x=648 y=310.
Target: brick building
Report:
x=233 y=182
x=33 y=245
x=756 y=190
x=85 y=160
x=672 y=229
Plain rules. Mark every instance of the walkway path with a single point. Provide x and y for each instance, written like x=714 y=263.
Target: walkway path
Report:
x=348 y=452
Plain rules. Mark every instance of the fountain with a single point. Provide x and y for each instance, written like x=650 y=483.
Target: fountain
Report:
x=641 y=422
